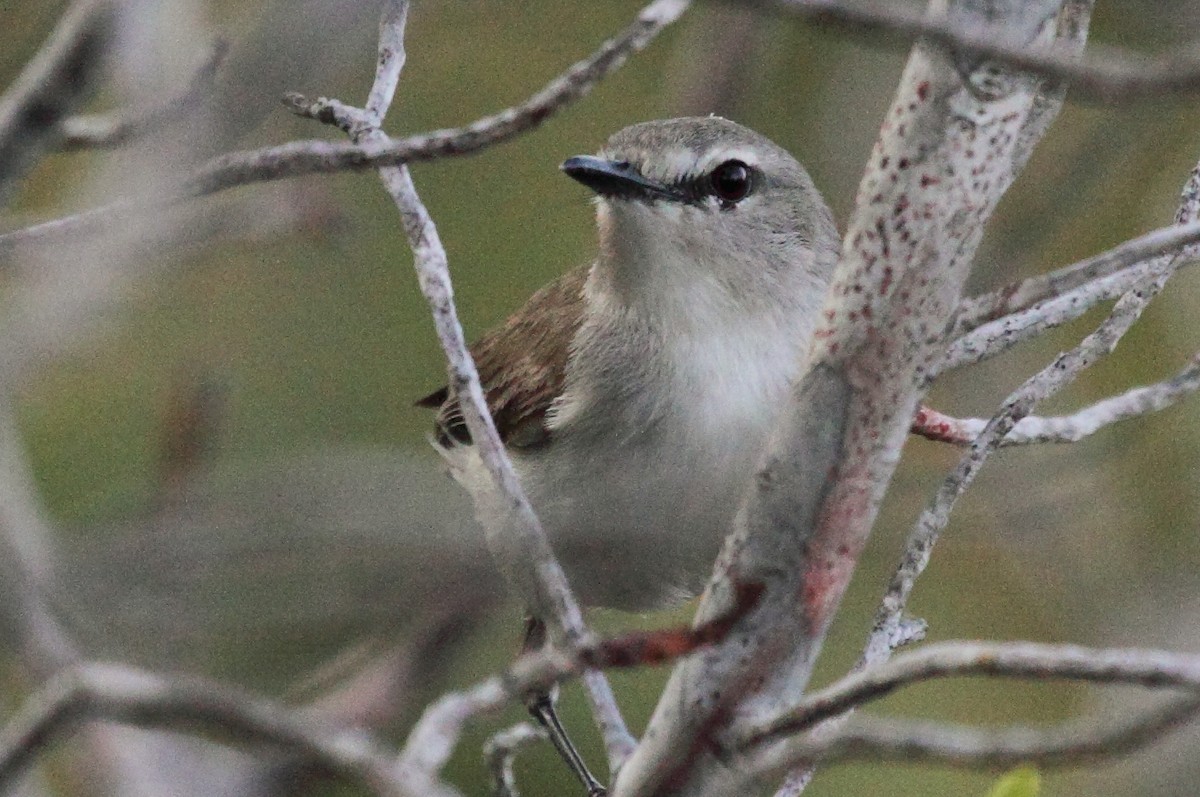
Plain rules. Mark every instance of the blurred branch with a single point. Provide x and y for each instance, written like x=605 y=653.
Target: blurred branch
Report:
x=298 y=158
x=1027 y=660
x=26 y=573
x=934 y=425
x=501 y=749
x=58 y=79
x=1108 y=75
x=910 y=741
x=135 y=697
x=106 y=130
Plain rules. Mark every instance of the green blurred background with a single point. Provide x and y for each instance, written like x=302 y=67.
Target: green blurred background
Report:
x=292 y=324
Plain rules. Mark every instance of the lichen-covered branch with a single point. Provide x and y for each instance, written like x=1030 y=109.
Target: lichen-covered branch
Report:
x=1178 y=238
x=868 y=738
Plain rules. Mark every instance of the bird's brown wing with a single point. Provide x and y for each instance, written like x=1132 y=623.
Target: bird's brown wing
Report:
x=522 y=365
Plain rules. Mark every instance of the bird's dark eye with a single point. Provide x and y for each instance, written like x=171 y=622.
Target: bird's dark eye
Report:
x=731 y=182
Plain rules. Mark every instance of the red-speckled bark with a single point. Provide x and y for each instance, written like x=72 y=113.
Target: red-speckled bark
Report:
x=956 y=135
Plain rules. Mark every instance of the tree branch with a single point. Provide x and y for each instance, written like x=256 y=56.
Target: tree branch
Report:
x=106 y=130
x=934 y=425
x=56 y=81
x=501 y=749
x=1107 y=75
x=1027 y=660
x=1069 y=744
x=1129 y=256
x=950 y=145
x=299 y=158
x=136 y=697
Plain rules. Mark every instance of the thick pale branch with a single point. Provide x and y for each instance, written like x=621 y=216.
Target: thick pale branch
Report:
x=950 y=145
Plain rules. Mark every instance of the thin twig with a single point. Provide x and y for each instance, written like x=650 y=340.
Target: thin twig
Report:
x=1026 y=660
x=298 y=158
x=500 y=751
x=1132 y=254
x=937 y=426
x=1070 y=744
x=1037 y=388
x=523 y=551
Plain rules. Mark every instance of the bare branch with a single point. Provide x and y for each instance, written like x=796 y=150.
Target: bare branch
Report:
x=58 y=80
x=1069 y=744
x=501 y=749
x=298 y=158
x=1175 y=239
x=1018 y=405
x=1108 y=75
x=808 y=513
x=106 y=130
x=515 y=534
x=135 y=697
x=934 y=425
x=1029 y=660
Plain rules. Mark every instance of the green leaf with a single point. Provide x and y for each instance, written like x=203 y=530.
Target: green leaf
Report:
x=1021 y=782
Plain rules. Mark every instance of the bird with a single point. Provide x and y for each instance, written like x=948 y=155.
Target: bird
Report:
x=636 y=394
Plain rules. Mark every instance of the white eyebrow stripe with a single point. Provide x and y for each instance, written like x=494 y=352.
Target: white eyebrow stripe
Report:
x=719 y=156
x=680 y=164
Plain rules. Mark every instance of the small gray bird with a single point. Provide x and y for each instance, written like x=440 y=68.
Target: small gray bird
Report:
x=635 y=395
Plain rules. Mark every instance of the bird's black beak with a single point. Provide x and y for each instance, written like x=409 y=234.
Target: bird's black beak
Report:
x=618 y=179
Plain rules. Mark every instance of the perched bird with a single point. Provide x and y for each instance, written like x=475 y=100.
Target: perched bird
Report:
x=636 y=394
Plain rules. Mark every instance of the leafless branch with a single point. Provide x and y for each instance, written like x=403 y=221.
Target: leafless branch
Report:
x=114 y=129
x=1135 y=403
x=1073 y=743
x=1051 y=379
x=520 y=546
x=55 y=82
x=1130 y=255
x=809 y=511
x=298 y=158
x=135 y=697
x=1149 y=668
x=1108 y=75
x=500 y=751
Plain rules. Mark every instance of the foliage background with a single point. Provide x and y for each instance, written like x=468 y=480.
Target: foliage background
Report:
x=301 y=315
